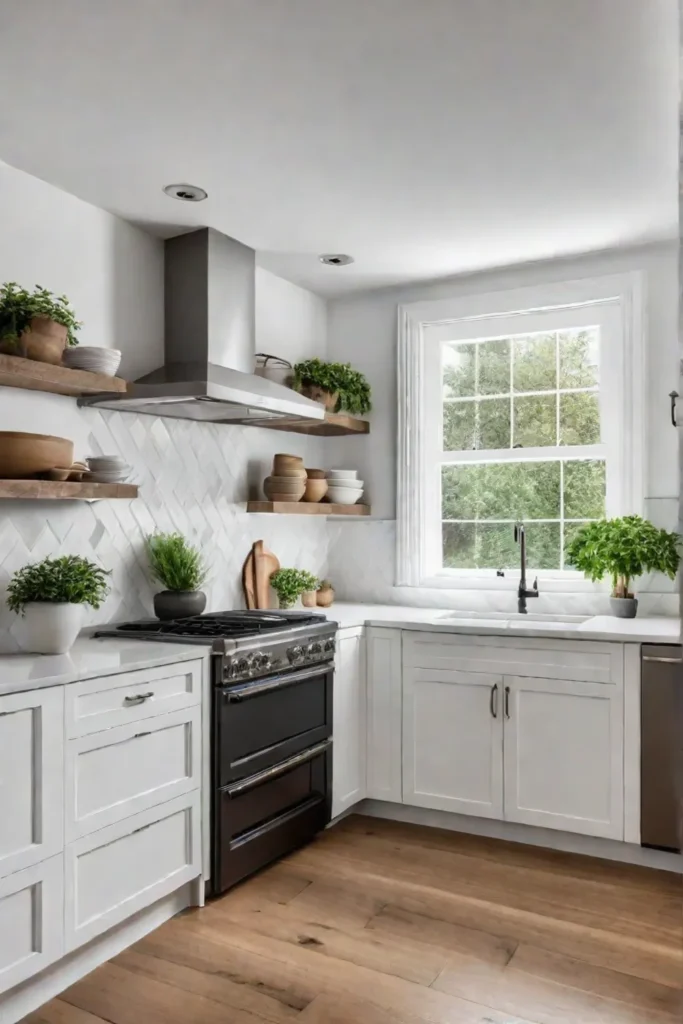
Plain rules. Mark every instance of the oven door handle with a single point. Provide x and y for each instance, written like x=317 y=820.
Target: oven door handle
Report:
x=278 y=769
x=236 y=694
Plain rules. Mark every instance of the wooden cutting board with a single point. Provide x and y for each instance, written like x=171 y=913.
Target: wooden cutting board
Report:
x=266 y=563
x=249 y=580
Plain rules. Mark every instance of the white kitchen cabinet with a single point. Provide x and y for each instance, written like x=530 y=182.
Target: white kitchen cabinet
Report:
x=117 y=773
x=384 y=701
x=31 y=777
x=453 y=741
x=31 y=921
x=349 y=723
x=564 y=756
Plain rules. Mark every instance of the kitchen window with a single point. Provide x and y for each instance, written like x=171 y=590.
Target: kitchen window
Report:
x=530 y=414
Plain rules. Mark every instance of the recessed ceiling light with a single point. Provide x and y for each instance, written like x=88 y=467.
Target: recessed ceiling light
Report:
x=335 y=259
x=188 y=193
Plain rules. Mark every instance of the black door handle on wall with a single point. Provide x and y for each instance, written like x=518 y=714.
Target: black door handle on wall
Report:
x=673 y=395
x=494 y=701
x=507 y=701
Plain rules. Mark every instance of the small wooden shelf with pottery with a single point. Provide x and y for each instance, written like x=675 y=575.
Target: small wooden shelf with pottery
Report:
x=64 y=490
x=31 y=375
x=307 y=508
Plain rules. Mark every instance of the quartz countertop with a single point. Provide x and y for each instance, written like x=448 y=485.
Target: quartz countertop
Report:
x=88 y=659
x=642 y=629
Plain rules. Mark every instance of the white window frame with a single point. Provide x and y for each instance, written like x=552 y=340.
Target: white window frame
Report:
x=616 y=304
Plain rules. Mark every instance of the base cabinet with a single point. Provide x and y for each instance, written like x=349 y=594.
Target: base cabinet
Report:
x=31 y=921
x=384 y=702
x=349 y=724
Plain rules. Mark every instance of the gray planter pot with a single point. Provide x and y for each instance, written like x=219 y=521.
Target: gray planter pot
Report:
x=624 y=607
x=179 y=604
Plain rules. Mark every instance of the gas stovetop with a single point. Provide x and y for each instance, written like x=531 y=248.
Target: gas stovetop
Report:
x=252 y=643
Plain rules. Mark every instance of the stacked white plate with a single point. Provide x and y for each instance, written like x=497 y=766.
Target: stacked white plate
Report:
x=344 y=486
x=108 y=469
x=93 y=359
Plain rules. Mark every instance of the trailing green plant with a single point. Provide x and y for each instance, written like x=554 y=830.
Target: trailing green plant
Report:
x=69 y=579
x=623 y=549
x=350 y=385
x=325 y=585
x=18 y=307
x=289 y=584
x=174 y=562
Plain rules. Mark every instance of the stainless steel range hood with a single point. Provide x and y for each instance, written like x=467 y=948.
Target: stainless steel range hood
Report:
x=208 y=375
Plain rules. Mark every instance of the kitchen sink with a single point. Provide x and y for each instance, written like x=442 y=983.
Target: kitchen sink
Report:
x=512 y=619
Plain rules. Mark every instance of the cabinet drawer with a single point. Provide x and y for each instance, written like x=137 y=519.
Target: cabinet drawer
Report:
x=111 y=775
x=583 y=660
x=31 y=777
x=97 y=704
x=113 y=873
x=31 y=921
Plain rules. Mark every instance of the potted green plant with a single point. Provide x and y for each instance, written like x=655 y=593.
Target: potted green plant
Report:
x=325 y=594
x=180 y=569
x=51 y=595
x=37 y=325
x=624 y=549
x=336 y=385
x=291 y=584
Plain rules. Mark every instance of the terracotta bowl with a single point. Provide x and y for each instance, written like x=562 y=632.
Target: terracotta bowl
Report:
x=315 y=474
x=315 y=489
x=27 y=455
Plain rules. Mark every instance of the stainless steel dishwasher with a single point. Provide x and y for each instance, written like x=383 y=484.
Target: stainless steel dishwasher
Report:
x=661 y=748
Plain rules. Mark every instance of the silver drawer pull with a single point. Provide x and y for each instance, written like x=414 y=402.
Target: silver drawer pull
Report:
x=139 y=698
x=278 y=769
x=668 y=661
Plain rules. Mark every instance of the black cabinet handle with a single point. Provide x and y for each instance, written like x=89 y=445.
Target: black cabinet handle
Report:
x=507 y=701
x=494 y=701
x=673 y=395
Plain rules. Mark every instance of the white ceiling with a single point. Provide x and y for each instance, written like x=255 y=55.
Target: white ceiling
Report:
x=425 y=137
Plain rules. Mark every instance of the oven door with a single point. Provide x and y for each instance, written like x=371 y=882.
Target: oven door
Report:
x=264 y=722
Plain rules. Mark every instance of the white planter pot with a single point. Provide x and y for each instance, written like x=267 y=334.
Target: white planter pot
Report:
x=50 y=628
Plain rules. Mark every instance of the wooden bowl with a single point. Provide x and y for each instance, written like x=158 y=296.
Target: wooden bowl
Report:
x=316 y=474
x=285 y=473
x=277 y=489
x=283 y=462
x=27 y=455
x=315 y=489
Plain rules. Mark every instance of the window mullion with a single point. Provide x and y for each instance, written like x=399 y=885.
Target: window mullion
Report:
x=512 y=405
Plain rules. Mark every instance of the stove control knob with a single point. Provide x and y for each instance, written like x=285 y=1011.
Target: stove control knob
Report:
x=314 y=650
x=296 y=654
x=329 y=647
x=242 y=666
x=266 y=661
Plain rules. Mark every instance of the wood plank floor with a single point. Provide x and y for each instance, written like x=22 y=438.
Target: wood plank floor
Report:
x=378 y=922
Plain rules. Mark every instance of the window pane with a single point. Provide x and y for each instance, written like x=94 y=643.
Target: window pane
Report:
x=542 y=546
x=570 y=531
x=494 y=368
x=458 y=426
x=579 y=419
x=579 y=363
x=535 y=366
x=535 y=421
x=458 y=370
x=494 y=423
x=495 y=546
x=584 y=489
x=458 y=545
x=519 y=490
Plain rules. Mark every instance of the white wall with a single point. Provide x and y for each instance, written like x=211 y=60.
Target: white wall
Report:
x=363 y=330
x=194 y=477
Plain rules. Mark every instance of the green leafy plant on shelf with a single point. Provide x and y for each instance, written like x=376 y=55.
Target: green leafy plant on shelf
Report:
x=175 y=563
x=290 y=584
x=66 y=580
x=623 y=549
x=19 y=306
x=346 y=389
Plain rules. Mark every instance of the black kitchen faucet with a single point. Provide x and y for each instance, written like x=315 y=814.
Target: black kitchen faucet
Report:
x=522 y=592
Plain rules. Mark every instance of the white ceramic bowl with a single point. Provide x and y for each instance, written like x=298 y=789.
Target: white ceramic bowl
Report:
x=95 y=360
x=343 y=495
x=342 y=474
x=106 y=461
x=108 y=478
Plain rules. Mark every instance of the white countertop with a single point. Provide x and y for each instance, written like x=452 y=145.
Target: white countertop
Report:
x=656 y=629
x=88 y=659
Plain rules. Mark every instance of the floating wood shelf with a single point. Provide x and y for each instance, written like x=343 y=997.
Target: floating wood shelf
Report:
x=335 y=424
x=31 y=375
x=307 y=508
x=42 y=490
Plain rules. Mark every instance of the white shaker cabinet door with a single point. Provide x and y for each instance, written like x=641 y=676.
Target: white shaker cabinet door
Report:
x=564 y=765
x=453 y=741
x=384 y=703
x=349 y=747
x=31 y=777
x=31 y=921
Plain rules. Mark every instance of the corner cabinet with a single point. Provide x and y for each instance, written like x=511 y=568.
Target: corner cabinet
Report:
x=523 y=730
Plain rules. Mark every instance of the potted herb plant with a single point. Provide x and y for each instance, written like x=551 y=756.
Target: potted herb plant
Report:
x=336 y=385
x=180 y=569
x=291 y=584
x=37 y=325
x=51 y=596
x=325 y=594
x=624 y=549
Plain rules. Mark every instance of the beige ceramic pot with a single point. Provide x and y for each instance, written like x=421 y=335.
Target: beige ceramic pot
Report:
x=315 y=490
x=316 y=474
x=44 y=341
x=308 y=598
x=324 y=598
